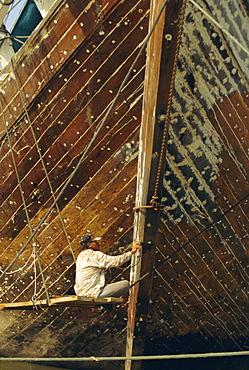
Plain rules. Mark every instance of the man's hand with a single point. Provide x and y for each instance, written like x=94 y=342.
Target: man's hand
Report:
x=135 y=247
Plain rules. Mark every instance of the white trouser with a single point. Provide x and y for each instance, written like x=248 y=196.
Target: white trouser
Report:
x=115 y=289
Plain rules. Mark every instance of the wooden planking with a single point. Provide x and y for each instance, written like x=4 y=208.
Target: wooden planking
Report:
x=52 y=47
x=224 y=15
x=144 y=162
x=184 y=282
x=129 y=126
x=42 y=197
x=165 y=51
x=222 y=250
x=197 y=291
x=59 y=128
x=63 y=301
x=85 y=53
x=52 y=154
x=86 y=212
x=57 y=181
x=55 y=228
x=56 y=152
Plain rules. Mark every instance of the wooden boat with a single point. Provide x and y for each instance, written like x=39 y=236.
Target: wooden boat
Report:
x=74 y=100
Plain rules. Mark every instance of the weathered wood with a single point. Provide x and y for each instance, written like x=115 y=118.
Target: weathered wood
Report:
x=163 y=48
x=56 y=155
x=51 y=51
x=63 y=301
x=144 y=161
x=63 y=130
x=198 y=298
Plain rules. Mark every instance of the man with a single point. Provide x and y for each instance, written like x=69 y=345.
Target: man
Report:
x=90 y=270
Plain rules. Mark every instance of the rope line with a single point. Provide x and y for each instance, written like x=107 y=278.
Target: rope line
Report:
x=21 y=268
x=122 y=358
x=35 y=274
x=42 y=161
x=88 y=147
x=190 y=240
x=23 y=202
x=18 y=180
x=16 y=170
x=36 y=256
x=21 y=42
x=42 y=273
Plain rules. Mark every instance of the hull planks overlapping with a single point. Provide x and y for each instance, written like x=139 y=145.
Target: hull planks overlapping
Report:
x=54 y=95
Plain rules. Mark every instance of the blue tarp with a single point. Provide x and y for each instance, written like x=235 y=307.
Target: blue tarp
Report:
x=27 y=22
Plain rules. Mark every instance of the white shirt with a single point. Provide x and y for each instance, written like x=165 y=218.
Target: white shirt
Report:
x=90 y=271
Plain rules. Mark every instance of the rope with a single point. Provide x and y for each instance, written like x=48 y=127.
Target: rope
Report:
x=190 y=240
x=34 y=298
x=88 y=147
x=18 y=179
x=42 y=161
x=16 y=170
x=21 y=42
x=42 y=274
x=98 y=130
x=21 y=268
x=24 y=205
x=123 y=358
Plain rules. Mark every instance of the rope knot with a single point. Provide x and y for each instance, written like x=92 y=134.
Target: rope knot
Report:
x=156 y=205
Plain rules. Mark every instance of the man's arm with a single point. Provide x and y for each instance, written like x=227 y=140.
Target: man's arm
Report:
x=105 y=261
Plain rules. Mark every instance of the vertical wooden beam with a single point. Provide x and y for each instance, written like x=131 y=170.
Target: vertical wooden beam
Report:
x=154 y=50
x=162 y=55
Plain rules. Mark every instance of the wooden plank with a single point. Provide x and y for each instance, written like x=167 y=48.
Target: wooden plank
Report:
x=72 y=88
x=23 y=305
x=159 y=82
x=79 y=20
x=144 y=161
x=84 y=300
x=54 y=150
x=64 y=301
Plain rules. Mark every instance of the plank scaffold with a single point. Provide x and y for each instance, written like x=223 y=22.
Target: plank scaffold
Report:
x=66 y=301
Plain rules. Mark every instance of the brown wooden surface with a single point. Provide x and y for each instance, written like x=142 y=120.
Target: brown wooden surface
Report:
x=147 y=131
x=64 y=111
x=159 y=95
x=69 y=301
x=35 y=69
x=199 y=299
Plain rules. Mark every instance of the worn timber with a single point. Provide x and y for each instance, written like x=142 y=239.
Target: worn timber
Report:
x=162 y=57
x=66 y=301
x=61 y=83
x=145 y=161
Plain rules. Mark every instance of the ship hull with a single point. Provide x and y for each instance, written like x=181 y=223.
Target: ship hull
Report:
x=69 y=159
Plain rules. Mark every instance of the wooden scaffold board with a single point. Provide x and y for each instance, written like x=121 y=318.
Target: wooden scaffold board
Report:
x=66 y=301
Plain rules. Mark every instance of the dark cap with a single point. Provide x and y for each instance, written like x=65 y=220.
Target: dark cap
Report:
x=88 y=238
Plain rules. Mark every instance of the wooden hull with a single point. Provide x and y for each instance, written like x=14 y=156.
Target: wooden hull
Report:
x=52 y=101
